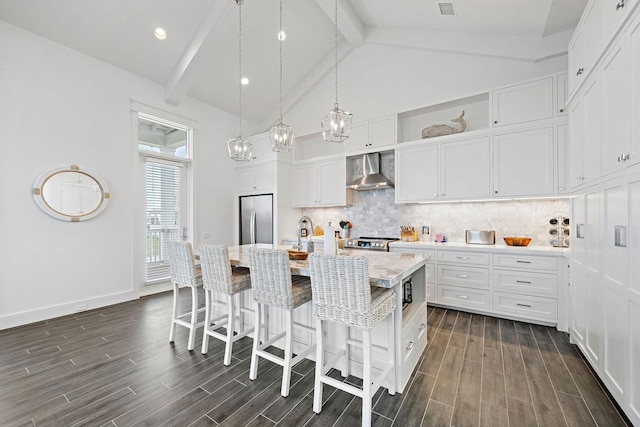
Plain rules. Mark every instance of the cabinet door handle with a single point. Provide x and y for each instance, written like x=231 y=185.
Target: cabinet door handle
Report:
x=523 y=262
x=523 y=281
x=435 y=194
x=496 y=192
x=410 y=345
x=580 y=71
x=620 y=5
x=562 y=110
x=462 y=257
x=463 y=297
x=464 y=276
x=495 y=122
x=523 y=305
x=620 y=236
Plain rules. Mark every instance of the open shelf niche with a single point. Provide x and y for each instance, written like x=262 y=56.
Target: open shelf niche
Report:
x=477 y=116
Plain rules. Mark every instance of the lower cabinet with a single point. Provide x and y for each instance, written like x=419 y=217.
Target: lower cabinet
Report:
x=494 y=282
x=605 y=286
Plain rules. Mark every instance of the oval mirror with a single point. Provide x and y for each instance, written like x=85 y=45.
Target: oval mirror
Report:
x=70 y=194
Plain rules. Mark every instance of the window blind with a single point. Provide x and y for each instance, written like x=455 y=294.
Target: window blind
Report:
x=163 y=217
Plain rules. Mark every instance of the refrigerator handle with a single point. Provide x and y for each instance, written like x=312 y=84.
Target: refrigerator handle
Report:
x=253 y=227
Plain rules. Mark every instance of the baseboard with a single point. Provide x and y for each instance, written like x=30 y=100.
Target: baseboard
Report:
x=40 y=314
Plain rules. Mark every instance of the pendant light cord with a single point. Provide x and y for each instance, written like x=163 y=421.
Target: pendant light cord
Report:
x=336 y=50
x=239 y=2
x=280 y=37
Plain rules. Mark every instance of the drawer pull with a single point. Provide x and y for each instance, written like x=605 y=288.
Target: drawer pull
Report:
x=422 y=326
x=523 y=305
x=523 y=281
x=523 y=262
x=463 y=296
x=410 y=345
x=462 y=257
x=464 y=276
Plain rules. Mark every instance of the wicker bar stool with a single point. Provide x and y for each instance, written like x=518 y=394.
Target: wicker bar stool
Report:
x=218 y=276
x=184 y=273
x=273 y=286
x=342 y=293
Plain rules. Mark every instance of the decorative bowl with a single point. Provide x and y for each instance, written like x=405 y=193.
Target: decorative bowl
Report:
x=517 y=241
x=297 y=255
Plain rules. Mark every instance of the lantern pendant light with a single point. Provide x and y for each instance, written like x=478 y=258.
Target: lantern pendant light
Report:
x=336 y=126
x=281 y=135
x=239 y=148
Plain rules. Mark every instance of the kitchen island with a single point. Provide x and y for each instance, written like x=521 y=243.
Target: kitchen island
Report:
x=388 y=270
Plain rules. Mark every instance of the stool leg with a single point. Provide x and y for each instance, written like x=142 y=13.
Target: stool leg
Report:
x=288 y=349
x=253 y=370
x=228 y=347
x=366 y=377
x=317 y=388
x=194 y=318
x=347 y=353
x=207 y=320
x=174 y=316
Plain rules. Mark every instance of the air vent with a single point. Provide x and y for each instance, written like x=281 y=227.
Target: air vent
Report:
x=446 y=9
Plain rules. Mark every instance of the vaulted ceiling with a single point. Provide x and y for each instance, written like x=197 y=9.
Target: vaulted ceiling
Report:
x=199 y=57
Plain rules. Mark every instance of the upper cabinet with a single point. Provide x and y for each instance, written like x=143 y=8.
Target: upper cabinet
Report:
x=256 y=178
x=616 y=106
x=584 y=46
x=372 y=135
x=523 y=102
x=524 y=163
x=465 y=169
x=562 y=85
x=320 y=184
x=613 y=14
x=417 y=173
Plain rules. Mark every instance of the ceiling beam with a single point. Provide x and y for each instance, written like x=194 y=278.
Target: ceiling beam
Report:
x=183 y=74
x=349 y=24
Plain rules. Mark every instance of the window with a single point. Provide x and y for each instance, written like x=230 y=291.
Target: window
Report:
x=165 y=150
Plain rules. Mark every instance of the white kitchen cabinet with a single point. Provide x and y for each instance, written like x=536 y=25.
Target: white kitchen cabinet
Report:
x=584 y=46
x=256 y=179
x=416 y=174
x=585 y=122
x=372 y=135
x=465 y=169
x=634 y=300
x=612 y=15
x=616 y=125
x=563 y=144
x=524 y=102
x=633 y=44
x=320 y=184
x=524 y=163
x=615 y=276
x=562 y=94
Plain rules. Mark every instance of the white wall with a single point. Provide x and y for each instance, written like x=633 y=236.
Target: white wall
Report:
x=57 y=108
x=374 y=81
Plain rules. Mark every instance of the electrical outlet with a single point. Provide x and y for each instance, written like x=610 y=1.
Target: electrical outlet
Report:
x=81 y=307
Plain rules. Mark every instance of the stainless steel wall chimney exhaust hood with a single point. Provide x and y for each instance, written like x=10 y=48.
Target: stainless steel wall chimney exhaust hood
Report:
x=371 y=179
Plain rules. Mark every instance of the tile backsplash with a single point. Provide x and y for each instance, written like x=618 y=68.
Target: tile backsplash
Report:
x=374 y=213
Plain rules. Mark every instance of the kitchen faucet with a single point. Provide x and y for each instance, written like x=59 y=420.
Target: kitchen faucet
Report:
x=303 y=219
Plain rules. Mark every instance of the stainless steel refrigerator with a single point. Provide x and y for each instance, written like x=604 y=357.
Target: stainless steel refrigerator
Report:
x=256 y=219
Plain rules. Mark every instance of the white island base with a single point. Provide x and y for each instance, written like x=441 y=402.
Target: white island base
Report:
x=407 y=329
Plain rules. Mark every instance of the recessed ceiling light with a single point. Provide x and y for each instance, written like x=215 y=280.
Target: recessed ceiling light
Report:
x=244 y=81
x=282 y=35
x=446 y=8
x=160 y=33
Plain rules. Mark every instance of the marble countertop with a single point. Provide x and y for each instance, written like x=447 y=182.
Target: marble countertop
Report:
x=386 y=269
x=498 y=248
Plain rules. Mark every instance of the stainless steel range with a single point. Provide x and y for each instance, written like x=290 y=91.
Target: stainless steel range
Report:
x=370 y=243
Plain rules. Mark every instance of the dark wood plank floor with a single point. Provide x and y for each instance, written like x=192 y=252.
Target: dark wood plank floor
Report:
x=115 y=367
